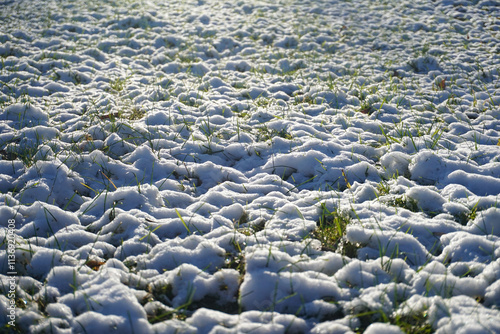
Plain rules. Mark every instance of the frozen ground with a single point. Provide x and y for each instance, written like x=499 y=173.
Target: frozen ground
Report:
x=183 y=166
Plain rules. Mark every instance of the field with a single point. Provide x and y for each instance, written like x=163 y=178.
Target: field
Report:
x=256 y=166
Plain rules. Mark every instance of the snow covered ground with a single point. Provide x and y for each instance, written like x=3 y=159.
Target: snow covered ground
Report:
x=183 y=166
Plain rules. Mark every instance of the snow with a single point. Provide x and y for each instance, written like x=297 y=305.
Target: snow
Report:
x=167 y=165
x=383 y=328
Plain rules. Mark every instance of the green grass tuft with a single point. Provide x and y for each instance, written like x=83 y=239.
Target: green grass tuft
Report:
x=331 y=228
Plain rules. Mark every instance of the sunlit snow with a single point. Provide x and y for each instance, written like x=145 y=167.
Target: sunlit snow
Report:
x=168 y=163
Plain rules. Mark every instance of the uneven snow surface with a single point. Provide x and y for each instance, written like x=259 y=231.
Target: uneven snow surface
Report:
x=167 y=164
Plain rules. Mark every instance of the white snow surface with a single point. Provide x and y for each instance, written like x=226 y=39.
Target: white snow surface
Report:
x=167 y=163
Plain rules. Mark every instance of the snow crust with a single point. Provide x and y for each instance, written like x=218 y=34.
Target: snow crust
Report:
x=167 y=164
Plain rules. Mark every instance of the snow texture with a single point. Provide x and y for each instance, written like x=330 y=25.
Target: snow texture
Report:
x=168 y=163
